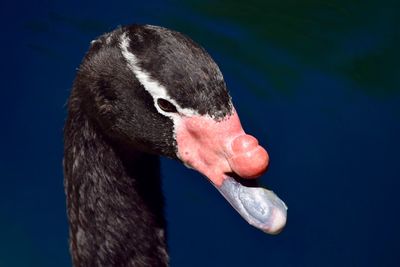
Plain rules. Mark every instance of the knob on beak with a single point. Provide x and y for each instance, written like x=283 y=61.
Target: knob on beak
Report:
x=249 y=159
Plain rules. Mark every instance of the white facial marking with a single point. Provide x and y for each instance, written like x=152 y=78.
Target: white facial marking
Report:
x=155 y=89
x=108 y=39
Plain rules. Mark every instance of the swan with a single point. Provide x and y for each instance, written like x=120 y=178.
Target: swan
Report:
x=141 y=92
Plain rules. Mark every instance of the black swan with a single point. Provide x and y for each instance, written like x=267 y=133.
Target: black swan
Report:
x=140 y=92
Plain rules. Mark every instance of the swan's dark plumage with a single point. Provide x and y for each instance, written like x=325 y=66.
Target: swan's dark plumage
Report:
x=113 y=135
x=192 y=77
x=114 y=197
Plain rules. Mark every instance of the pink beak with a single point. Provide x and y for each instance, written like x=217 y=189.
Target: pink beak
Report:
x=218 y=148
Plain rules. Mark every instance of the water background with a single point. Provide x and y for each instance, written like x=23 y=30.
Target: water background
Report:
x=318 y=82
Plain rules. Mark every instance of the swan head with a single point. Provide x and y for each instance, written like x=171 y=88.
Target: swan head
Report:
x=156 y=90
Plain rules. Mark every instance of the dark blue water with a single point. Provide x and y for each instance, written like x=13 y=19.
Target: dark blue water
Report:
x=317 y=83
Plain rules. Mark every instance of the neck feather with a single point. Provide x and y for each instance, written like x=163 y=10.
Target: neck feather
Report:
x=114 y=200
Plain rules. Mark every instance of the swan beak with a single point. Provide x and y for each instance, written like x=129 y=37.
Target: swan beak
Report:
x=260 y=207
x=218 y=148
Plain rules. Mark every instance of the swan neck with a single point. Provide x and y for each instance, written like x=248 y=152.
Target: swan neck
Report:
x=114 y=200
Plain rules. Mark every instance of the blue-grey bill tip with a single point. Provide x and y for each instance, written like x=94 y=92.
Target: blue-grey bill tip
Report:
x=258 y=206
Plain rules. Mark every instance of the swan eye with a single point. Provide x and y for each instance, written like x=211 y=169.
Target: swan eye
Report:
x=166 y=106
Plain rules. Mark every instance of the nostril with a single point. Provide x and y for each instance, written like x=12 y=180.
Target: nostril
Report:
x=244 y=143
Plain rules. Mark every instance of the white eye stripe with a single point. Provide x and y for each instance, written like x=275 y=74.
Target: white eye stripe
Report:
x=155 y=89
